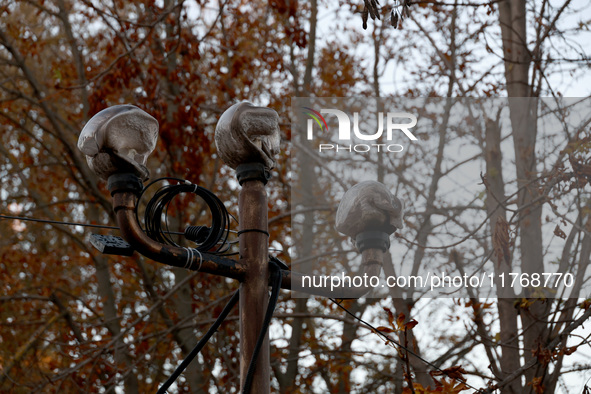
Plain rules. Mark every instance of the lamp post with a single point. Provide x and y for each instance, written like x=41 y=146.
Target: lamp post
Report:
x=247 y=138
x=117 y=142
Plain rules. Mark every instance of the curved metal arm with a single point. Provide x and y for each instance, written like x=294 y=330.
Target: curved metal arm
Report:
x=124 y=202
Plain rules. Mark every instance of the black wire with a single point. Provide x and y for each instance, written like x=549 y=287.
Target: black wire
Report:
x=277 y=274
x=137 y=205
x=26 y=219
x=276 y=286
x=183 y=365
x=389 y=339
x=211 y=239
x=57 y=222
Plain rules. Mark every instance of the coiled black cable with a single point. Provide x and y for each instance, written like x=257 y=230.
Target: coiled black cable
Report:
x=212 y=239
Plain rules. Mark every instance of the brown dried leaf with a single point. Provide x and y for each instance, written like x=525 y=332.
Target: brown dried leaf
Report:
x=390 y=315
x=537 y=385
x=559 y=233
x=384 y=329
x=400 y=320
x=569 y=350
x=411 y=324
x=455 y=372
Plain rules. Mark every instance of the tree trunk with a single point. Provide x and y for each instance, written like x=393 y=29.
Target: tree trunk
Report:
x=495 y=194
x=523 y=115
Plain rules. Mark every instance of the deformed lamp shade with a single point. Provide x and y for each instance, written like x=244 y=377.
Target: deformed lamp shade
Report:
x=248 y=134
x=119 y=139
x=368 y=206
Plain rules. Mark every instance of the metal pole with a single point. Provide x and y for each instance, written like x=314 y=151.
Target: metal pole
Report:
x=254 y=290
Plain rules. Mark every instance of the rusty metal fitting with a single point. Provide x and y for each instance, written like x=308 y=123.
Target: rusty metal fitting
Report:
x=372 y=240
x=252 y=172
x=125 y=182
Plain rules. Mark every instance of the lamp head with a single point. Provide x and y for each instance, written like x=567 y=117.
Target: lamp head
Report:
x=119 y=139
x=369 y=206
x=248 y=134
